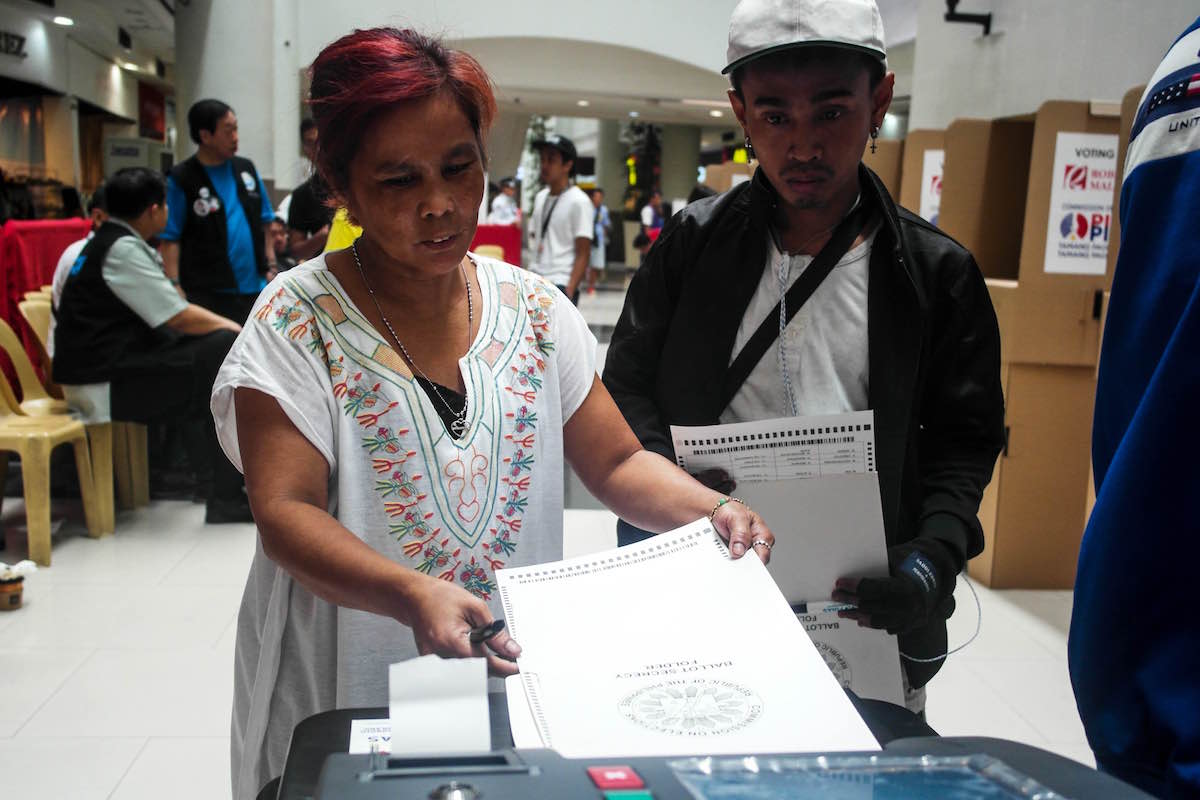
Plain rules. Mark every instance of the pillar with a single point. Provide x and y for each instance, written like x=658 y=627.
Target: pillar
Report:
x=223 y=50
x=505 y=144
x=611 y=173
x=680 y=158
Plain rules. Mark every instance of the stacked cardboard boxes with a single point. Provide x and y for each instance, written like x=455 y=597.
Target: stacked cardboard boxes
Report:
x=1020 y=193
x=921 y=172
x=723 y=177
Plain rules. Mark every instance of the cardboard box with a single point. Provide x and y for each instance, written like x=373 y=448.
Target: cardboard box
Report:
x=1033 y=510
x=912 y=165
x=1129 y=107
x=984 y=189
x=999 y=179
x=1046 y=324
x=1054 y=117
x=996 y=202
x=720 y=177
x=885 y=162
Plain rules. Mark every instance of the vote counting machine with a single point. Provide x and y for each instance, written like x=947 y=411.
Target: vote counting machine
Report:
x=910 y=766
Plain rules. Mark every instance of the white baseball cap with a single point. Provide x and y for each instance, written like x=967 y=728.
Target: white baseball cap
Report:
x=760 y=27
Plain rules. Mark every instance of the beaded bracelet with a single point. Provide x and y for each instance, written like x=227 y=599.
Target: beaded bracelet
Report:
x=722 y=502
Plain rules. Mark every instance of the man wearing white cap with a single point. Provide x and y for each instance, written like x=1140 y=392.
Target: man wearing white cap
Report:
x=808 y=291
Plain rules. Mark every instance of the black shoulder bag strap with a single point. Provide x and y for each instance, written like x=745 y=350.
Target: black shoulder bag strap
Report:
x=758 y=344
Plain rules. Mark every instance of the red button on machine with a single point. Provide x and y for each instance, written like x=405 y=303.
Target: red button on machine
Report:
x=615 y=777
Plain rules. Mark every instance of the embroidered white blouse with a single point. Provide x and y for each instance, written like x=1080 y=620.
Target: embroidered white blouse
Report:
x=454 y=509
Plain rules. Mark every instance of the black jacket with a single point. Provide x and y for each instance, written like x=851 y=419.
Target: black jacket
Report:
x=204 y=264
x=934 y=359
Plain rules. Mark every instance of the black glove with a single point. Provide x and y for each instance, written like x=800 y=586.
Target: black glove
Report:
x=920 y=590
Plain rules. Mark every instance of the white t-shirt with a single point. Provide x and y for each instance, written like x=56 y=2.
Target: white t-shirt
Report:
x=565 y=217
x=455 y=509
x=504 y=210
x=825 y=347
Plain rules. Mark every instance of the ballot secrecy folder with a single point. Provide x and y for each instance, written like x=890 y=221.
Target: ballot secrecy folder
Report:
x=670 y=647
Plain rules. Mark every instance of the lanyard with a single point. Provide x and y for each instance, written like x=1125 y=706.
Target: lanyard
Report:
x=546 y=219
x=772 y=327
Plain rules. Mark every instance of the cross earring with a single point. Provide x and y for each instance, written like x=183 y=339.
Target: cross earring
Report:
x=749 y=148
x=874 y=136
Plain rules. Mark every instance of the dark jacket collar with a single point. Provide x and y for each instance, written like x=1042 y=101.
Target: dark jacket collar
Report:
x=759 y=200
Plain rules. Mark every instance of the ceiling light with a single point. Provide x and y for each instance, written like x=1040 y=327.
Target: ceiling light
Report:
x=129 y=65
x=714 y=113
x=582 y=103
x=64 y=21
x=634 y=114
x=709 y=103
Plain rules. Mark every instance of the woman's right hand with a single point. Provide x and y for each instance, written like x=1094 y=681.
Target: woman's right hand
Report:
x=442 y=614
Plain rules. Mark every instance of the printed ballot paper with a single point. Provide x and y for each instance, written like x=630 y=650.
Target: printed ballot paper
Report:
x=435 y=705
x=439 y=705
x=813 y=480
x=670 y=647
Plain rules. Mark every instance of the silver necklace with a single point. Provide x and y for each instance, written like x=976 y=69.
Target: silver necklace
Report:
x=459 y=426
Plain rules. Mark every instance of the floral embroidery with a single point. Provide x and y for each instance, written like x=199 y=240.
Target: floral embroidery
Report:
x=413 y=523
x=384 y=439
x=475 y=579
x=439 y=556
x=403 y=492
x=398 y=484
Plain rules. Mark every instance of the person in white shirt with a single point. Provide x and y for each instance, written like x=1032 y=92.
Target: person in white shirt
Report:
x=652 y=216
x=98 y=210
x=504 y=208
x=561 y=224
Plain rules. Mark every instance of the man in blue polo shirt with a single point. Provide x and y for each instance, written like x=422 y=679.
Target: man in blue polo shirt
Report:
x=215 y=246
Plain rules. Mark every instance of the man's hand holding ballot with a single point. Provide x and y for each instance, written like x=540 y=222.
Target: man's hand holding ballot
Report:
x=920 y=589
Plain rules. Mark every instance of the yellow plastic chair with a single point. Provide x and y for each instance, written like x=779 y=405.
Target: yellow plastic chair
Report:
x=37 y=314
x=35 y=400
x=132 y=473
x=33 y=439
x=490 y=251
x=116 y=446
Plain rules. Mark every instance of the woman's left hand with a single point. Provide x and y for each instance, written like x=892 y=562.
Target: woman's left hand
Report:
x=743 y=530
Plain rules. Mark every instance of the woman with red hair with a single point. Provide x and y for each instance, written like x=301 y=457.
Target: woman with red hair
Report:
x=402 y=408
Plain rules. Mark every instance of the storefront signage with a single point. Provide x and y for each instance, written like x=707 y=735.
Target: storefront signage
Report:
x=12 y=44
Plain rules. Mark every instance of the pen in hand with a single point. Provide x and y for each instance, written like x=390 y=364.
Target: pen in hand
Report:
x=485 y=632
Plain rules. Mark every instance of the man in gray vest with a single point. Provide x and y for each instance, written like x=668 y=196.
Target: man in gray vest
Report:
x=121 y=323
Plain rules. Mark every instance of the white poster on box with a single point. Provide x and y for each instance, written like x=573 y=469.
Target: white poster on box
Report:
x=931 y=185
x=1081 y=194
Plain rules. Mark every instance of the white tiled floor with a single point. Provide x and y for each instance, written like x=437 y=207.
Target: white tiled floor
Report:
x=120 y=663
